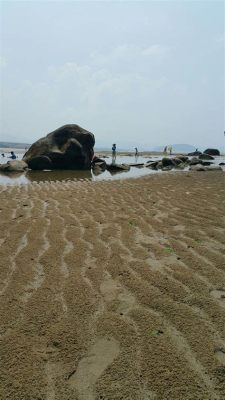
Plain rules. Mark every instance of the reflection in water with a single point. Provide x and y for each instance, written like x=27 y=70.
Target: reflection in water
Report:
x=118 y=171
x=113 y=158
x=57 y=175
x=11 y=174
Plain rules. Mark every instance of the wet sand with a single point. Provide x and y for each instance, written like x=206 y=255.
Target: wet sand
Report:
x=114 y=290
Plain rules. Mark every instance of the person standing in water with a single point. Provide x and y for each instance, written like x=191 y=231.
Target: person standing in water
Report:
x=136 y=151
x=113 y=152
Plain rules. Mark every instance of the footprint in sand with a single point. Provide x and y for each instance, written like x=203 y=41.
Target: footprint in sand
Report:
x=112 y=290
x=91 y=367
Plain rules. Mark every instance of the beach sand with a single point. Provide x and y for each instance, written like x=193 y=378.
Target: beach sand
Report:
x=114 y=290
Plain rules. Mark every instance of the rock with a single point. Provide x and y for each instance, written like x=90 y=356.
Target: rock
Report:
x=177 y=161
x=200 y=167
x=214 y=168
x=97 y=169
x=206 y=163
x=69 y=147
x=152 y=165
x=212 y=152
x=98 y=164
x=182 y=158
x=140 y=165
x=168 y=168
x=40 y=163
x=167 y=162
x=195 y=161
x=195 y=153
x=159 y=164
x=206 y=157
x=182 y=165
x=14 y=166
x=197 y=167
x=117 y=167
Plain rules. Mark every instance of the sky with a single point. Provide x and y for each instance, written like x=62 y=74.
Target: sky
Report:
x=137 y=73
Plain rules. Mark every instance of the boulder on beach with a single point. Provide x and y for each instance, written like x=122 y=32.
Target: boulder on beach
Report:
x=197 y=167
x=212 y=152
x=168 y=162
x=195 y=161
x=137 y=165
x=152 y=164
x=68 y=147
x=98 y=165
x=205 y=156
x=195 y=153
x=182 y=158
x=117 y=167
x=14 y=166
x=200 y=167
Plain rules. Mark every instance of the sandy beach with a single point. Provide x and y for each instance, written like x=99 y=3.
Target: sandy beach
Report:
x=114 y=290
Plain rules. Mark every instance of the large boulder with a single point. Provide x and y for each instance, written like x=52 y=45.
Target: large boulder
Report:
x=69 y=147
x=212 y=152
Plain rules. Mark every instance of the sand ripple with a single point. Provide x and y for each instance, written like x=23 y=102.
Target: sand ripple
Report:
x=113 y=290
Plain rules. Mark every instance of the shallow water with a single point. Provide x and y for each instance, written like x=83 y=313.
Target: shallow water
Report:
x=15 y=178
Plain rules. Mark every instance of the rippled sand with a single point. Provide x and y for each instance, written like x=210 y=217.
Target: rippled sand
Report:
x=114 y=290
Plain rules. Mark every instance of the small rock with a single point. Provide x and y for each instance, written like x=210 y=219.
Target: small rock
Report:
x=195 y=153
x=14 y=166
x=195 y=161
x=206 y=157
x=197 y=167
x=117 y=167
x=214 y=168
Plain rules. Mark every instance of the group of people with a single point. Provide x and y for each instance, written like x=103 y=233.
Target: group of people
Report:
x=168 y=150
x=12 y=156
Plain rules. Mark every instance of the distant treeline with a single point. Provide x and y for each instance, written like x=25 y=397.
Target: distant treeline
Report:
x=14 y=145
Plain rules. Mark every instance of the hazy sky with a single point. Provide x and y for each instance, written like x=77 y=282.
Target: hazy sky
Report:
x=140 y=73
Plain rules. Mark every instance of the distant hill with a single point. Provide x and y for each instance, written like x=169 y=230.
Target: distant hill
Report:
x=178 y=148
x=12 y=145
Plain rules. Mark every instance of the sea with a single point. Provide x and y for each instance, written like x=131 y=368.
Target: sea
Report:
x=15 y=178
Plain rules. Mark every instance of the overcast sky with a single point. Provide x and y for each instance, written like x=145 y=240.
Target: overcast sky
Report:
x=138 y=73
